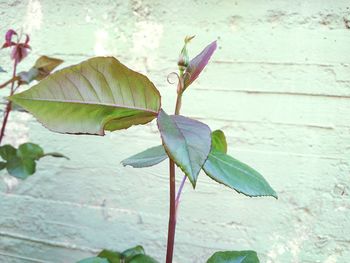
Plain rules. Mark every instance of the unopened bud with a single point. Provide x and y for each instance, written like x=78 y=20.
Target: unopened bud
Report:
x=184 y=60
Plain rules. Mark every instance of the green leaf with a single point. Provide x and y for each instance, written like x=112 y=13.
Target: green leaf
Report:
x=236 y=175
x=157 y=154
x=94 y=260
x=2 y=165
x=112 y=256
x=218 y=141
x=149 y=157
x=30 y=150
x=91 y=97
x=21 y=167
x=7 y=152
x=142 y=259
x=46 y=65
x=55 y=154
x=247 y=256
x=186 y=141
x=26 y=77
x=133 y=252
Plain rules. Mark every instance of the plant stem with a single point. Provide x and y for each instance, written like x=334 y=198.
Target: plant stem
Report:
x=178 y=195
x=172 y=214
x=9 y=103
x=12 y=80
x=172 y=190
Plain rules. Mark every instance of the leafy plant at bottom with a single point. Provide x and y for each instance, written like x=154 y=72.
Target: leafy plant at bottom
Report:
x=101 y=94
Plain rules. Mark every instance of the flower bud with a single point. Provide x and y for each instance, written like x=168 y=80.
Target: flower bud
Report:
x=184 y=60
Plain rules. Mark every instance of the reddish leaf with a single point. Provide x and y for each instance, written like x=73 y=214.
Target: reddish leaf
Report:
x=198 y=64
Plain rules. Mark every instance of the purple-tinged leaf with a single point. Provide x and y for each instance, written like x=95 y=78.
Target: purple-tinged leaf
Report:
x=186 y=141
x=198 y=63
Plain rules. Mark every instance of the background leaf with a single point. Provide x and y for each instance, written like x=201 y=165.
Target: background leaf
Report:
x=218 y=141
x=142 y=259
x=46 y=65
x=21 y=167
x=41 y=69
x=7 y=152
x=198 y=63
x=247 y=256
x=30 y=150
x=91 y=97
x=236 y=175
x=112 y=256
x=149 y=157
x=2 y=70
x=186 y=141
x=133 y=252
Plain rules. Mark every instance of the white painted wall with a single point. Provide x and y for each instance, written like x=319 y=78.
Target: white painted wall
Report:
x=278 y=85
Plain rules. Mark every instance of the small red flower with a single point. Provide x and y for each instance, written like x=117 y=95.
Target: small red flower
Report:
x=19 y=50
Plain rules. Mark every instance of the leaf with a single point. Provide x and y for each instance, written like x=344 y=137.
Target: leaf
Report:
x=91 y=97
x=56 y=154
x=186 y=141
x=94 y=260
x=112 y=256
x=7 y=152
x=157 y=154
x=218 y=141
x=2 y=165
x=247 y=256
x=46 y=65
x=30 y=150
x=21 y=167
x=198 y=63
x=236 y=175
x=149 y=157
x=41 y=69
x=2 y=70
x=133 y=252
x=26 y=77
x=142 y=259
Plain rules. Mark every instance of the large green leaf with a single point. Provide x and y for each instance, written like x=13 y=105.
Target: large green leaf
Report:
x=247 y=256
x=91 y=97
x=149 y=157
x=236 y=175
x=186 y=141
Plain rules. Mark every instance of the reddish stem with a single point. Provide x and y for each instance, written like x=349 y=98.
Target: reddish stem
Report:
x=8 y=104
x=172 y=214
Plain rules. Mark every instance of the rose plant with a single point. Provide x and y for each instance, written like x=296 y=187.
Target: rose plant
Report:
x=101 y=94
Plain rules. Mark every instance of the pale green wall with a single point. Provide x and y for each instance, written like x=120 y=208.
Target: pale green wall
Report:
x=278 y=85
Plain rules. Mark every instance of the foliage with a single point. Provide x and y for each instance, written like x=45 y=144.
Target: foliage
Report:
x=101 y=94
x=21 y=162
